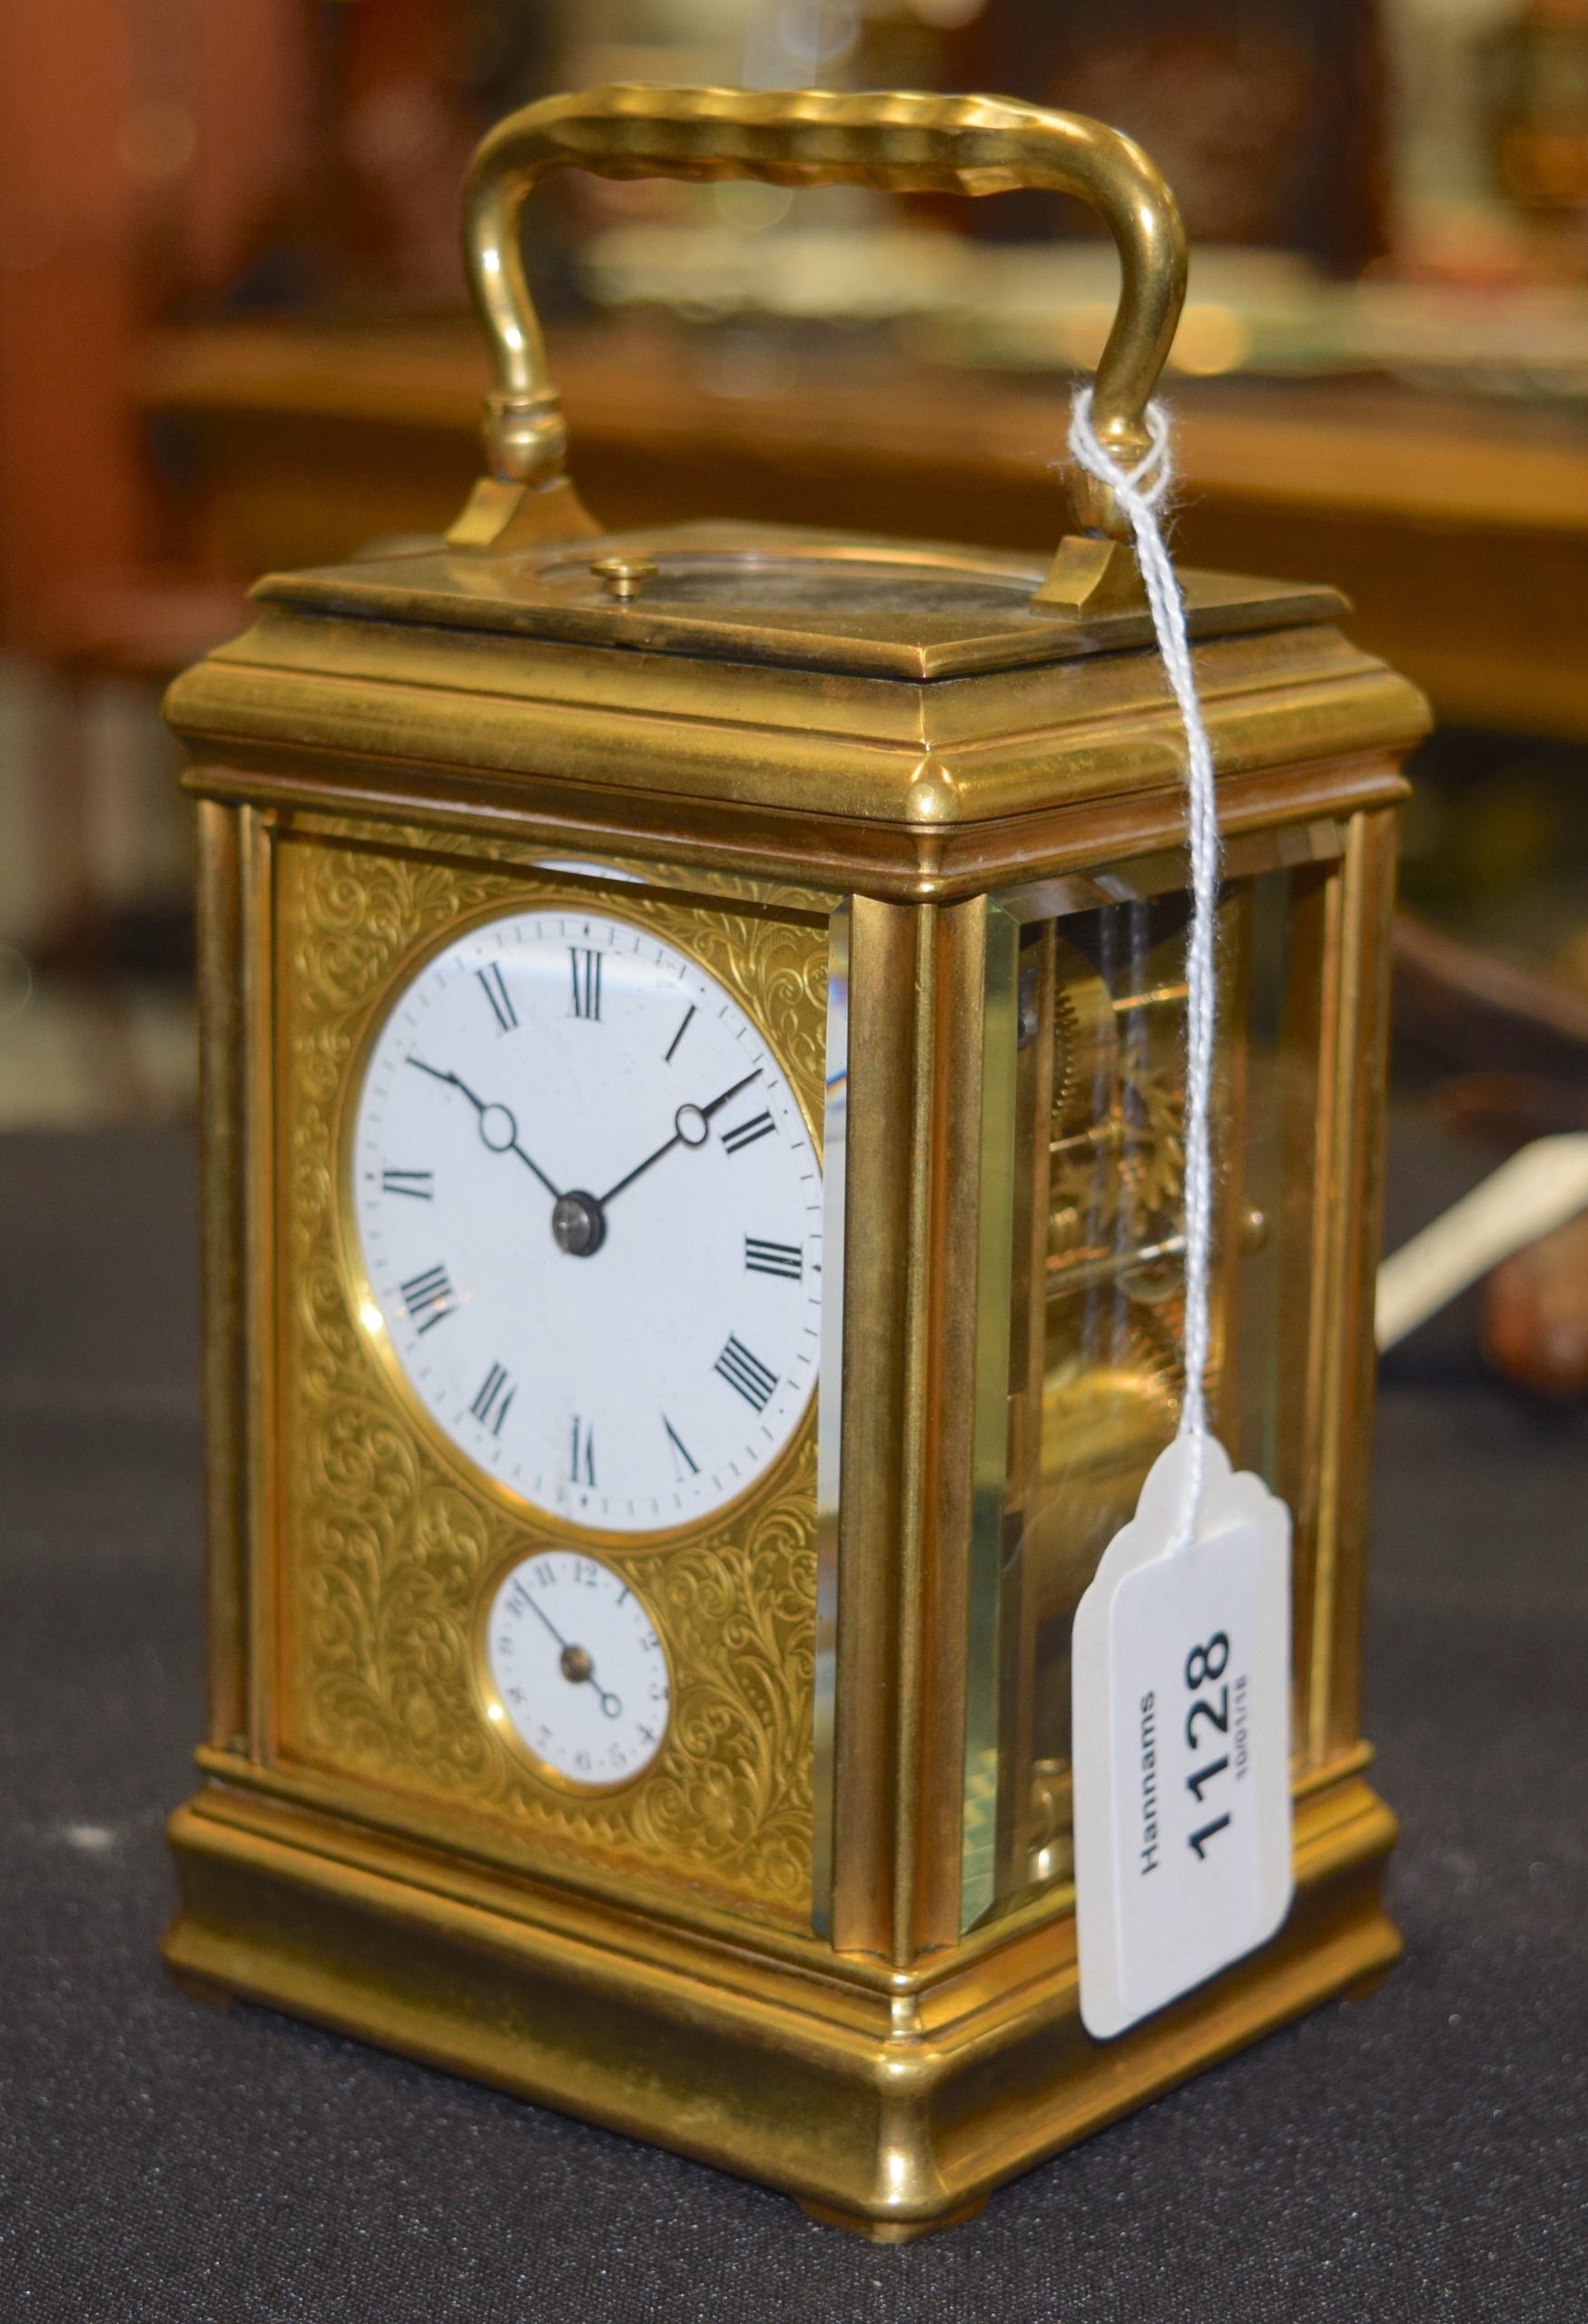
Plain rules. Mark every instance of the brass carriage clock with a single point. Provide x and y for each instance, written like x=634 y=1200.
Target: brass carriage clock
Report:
x=692 y=1120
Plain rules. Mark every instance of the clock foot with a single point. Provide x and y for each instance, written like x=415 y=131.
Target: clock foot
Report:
x=1365 y=1987
x=200 y=1989
x=889 y=2230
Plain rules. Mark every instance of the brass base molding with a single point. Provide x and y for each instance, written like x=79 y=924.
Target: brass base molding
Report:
x=889 y=2104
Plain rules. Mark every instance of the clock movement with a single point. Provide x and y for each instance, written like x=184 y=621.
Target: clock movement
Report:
x=692 y=1103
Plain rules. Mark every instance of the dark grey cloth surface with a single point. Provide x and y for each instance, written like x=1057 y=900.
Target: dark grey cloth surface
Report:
x=1417 y=2156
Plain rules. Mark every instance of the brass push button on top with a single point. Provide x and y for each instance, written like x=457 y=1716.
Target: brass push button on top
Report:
x=625 y=576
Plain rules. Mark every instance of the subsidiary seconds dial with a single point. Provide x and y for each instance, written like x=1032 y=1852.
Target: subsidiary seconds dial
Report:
x=577 y=1671
x=590 y=1214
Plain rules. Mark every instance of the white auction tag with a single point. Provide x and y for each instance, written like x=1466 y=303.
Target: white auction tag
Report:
x=1181 y=1743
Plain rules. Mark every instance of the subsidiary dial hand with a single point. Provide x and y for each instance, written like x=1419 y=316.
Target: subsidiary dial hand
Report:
x=575 y=1662
x=498 y=1126
x=689 y=1128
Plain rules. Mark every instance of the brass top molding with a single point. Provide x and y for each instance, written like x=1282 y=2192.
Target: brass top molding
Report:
x=843 y=758
x=907 y=142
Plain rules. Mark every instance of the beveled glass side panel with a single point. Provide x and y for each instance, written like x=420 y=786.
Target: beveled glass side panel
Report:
x=1097 y=1312
x=1004 y=1203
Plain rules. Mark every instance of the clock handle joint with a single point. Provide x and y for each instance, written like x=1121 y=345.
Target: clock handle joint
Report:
x=905 y=143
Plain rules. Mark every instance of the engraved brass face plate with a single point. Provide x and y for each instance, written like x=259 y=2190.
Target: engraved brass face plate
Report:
x=392 y=1535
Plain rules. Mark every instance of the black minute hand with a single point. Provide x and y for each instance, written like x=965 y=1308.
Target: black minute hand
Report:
x=498 y=1126
x=688 y=1129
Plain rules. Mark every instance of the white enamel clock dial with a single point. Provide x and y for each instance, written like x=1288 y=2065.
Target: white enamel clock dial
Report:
x=590 y=1218
x=577 y=1668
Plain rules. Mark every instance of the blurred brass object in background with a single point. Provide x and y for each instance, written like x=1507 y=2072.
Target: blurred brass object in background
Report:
x=925 y=830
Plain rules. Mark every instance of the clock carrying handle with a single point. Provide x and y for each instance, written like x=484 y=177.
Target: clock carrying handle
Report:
x=909 y=144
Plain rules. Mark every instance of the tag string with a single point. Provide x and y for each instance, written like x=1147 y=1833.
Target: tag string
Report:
x=1139 y=491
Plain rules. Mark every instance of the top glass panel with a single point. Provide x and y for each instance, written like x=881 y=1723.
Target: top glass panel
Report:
x=783 y=594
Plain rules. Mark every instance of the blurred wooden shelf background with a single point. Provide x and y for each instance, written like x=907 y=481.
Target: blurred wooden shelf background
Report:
x=163 y=159
x=1459 y=529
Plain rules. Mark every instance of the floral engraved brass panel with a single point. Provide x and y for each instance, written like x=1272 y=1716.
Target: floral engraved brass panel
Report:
x=388 y=1541
x=492 y=847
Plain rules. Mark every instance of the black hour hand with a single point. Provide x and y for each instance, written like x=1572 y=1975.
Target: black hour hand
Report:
x=498 y=1127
